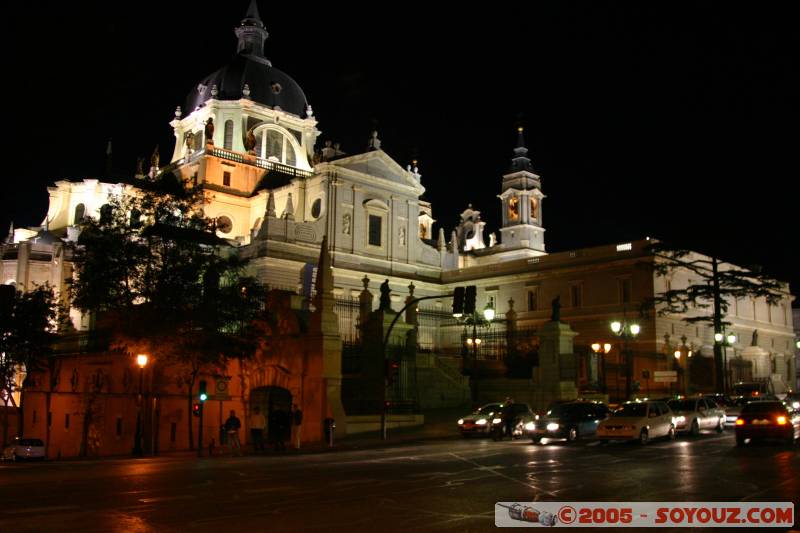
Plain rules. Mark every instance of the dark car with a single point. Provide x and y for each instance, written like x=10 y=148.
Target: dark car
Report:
x=520 y=414
x=767 y=420
x=569 y=420
x=479 y=422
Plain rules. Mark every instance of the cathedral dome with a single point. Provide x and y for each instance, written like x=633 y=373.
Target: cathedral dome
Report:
x=267 y=85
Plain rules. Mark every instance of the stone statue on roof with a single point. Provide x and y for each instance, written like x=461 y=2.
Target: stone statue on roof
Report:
x=556 y=305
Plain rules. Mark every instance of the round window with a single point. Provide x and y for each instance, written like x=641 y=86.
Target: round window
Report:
x=224 y=224
x=316 y=208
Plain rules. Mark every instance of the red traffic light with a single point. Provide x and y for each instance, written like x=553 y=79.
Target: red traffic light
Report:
x=392 y=370
x=196 y=407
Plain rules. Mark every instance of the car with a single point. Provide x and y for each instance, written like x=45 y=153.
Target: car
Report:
x=722 y=400
x=24 y=449
x=695 y=414
x=568 y=420
x=733 y=410
x=479 y=422
x=640 y=421
x=793 y=400
x=522 y=415
x=767 y=420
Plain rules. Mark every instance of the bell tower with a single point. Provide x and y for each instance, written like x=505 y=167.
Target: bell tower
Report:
x=521 y=199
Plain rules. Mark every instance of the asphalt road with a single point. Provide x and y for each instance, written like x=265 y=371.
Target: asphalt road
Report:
x=442 y=485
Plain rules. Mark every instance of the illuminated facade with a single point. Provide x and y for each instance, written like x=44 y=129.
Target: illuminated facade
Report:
x=248 y=135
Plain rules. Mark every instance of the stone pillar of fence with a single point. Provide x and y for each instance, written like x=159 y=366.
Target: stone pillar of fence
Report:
x=364 y=304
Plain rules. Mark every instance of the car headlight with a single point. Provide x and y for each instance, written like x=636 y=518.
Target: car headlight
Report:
x=679 y=419
x=481 y=422
x=530 y=426
x=496 y=420
x=552 y=426
x=796 y=405
x=460 y=421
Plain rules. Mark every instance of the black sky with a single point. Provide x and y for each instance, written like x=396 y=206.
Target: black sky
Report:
x=670 y=120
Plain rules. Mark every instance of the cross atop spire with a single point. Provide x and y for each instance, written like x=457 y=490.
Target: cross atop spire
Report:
x=251 y=32
x=521 y=161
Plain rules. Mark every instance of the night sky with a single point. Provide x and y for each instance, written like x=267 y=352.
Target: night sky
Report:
x=670 y=120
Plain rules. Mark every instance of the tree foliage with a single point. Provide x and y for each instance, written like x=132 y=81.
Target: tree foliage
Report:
x=27 y=329
x=711 y=287
x=155 y=273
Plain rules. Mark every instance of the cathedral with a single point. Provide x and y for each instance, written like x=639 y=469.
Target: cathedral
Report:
x=310 y=218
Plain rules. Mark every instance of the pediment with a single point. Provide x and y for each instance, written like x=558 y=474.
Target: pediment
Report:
x=378 y=164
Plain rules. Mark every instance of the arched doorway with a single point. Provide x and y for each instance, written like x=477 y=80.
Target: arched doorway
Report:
x=271 y=400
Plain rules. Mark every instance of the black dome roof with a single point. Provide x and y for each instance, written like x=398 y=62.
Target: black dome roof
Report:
x=268 y=85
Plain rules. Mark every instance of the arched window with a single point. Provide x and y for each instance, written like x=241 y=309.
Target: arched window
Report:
x=276 y=145
x=80 y=212
x=228 y=142
x=105 y=214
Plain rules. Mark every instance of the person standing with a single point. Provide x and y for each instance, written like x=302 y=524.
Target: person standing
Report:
x=232 y=425
x=257 y=424
x=297 y=420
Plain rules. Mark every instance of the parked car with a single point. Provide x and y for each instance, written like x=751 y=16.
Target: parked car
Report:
x=640 y=421
x=767 y=420
x=695 y=414
x=570 y=421
x=479 y=422
x=24 y=449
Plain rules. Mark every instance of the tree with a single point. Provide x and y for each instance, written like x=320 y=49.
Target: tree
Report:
x=713 y=285
x=27 y=329
x=157 y=277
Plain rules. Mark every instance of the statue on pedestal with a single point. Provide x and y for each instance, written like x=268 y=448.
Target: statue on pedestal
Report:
x=385 y=302
x=556 y=305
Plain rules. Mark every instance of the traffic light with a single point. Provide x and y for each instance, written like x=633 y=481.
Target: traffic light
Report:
x=196 y=407
x=469 y=299
x=458 y=302
x=392 y=370
x=203 y=394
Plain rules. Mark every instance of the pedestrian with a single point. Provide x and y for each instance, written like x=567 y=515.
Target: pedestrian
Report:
x=257 y=425
x=509 y=419
x=297 y=420
x=232 y=425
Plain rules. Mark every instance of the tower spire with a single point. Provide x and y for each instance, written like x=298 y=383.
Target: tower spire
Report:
x=251 y=33
x=520 y=161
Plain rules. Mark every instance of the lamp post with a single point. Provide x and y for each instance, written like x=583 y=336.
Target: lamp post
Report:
x=626 y=331
x=141 y=360
x=601 y=350
x=724 y=341
x=477 y=319
x=679 y=352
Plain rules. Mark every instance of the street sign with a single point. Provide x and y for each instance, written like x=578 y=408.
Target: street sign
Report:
x=665 y=376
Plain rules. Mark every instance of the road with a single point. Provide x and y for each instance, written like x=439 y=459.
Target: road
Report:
x=441 y=485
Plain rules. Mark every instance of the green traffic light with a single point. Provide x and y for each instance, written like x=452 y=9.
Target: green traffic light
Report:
x=203 y=397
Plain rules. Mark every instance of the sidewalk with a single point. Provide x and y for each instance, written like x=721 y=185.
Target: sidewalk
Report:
x=440 y=424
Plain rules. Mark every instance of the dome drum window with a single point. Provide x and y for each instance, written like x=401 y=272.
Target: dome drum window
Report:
x=274 y=145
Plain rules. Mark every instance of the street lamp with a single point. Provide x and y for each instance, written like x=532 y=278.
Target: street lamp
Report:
x=679 y=352
x=476 y=319
x=626 y=331
x=141 y=360
x=600 y=351
x=725 y=341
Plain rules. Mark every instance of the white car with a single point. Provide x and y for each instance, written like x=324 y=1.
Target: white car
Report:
x=695 y=414
x=24 y=449
x=640 y=421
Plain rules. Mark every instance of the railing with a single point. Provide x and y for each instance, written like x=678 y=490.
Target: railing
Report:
x=347 y=310
x=259 y=162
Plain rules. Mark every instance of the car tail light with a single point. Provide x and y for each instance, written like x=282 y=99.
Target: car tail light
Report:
x=781 y=420
x=739 y=422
